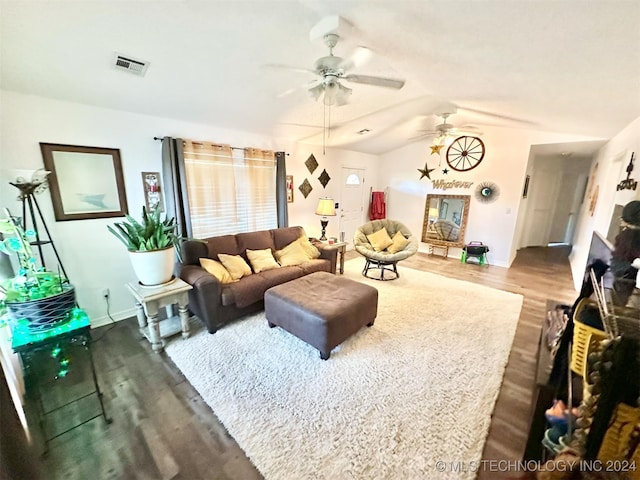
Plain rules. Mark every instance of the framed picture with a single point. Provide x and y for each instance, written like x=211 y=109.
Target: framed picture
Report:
x=152 y=191
x=289 y=188
x=85 y=182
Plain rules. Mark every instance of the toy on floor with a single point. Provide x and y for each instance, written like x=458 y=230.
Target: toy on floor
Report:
x=476 y=250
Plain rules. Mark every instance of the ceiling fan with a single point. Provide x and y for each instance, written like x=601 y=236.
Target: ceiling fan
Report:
x=332 y=70
x=447 y=131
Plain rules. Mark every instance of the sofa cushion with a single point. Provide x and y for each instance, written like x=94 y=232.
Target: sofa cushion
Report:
x=262 y=260
x=281 y=275
x=250 y=289
x=380 y=240
x=292 y=254
x=216 y=269
x=223 y=244
x=254 y=241
x=284 y=236
x=235 y=265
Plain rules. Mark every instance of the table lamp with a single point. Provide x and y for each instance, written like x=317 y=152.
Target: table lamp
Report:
x=326 y=209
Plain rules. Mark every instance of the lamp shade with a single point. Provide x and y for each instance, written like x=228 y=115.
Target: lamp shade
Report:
x=326 y=207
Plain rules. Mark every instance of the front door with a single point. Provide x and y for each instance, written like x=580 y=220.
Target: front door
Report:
x=351 y=202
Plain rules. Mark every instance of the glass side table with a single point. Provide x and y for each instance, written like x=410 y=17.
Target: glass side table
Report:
x=47 y=359
x=149 y=300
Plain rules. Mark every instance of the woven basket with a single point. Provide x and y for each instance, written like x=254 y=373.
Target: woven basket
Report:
x=44 y=313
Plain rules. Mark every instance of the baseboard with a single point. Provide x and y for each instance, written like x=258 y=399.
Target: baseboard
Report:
x=105 y=320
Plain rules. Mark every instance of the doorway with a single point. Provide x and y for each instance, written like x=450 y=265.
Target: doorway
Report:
x=351 y=202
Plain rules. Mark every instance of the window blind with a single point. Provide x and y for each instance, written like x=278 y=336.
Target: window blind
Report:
x=229 y=190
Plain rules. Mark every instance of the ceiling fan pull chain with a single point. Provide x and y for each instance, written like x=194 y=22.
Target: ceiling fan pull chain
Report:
x=324 y=127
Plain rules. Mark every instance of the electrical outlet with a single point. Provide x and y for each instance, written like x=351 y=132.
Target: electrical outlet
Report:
x=105 y=293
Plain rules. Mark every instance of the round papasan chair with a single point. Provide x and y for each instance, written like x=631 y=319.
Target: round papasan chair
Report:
x=387 y=258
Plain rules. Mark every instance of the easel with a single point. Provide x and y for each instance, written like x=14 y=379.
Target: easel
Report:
x=27 y=197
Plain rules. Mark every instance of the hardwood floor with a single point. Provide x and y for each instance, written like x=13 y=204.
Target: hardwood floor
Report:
x=162 y=429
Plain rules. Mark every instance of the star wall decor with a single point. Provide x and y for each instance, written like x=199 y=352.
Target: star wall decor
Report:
x=305 y=187
x=311 y=163
x=425 y=172
x=435 y=149
x=324 y=178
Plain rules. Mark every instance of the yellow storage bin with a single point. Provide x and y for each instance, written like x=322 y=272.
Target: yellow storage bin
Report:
x=585 y=339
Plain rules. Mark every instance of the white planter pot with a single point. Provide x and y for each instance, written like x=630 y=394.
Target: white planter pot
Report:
x=154 y=267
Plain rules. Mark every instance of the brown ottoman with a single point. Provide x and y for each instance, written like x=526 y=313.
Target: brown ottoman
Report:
x=321 y=308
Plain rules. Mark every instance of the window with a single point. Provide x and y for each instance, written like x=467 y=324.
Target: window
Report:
x=229 y=190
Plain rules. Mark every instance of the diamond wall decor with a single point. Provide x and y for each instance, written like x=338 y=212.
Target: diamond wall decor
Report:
x=311 y=163
x=305 y=187
x=324 y=178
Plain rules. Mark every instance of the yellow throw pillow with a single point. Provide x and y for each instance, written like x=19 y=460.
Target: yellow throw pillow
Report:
x=262 y=260
x=216 y=269
x=292 y=254
x=310 y=249
x=235 y=265
x=399 y=242
x=380 y=240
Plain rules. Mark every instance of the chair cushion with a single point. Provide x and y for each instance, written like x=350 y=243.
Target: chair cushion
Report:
x=380 y=240
x=216 y=269
x=235 y=265
x=399 y=243
x=262 y=260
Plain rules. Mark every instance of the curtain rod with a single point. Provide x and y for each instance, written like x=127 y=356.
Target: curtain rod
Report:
x=159 y=139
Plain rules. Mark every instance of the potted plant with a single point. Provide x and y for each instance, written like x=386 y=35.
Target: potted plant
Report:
x=151 y=244
x=40 y=298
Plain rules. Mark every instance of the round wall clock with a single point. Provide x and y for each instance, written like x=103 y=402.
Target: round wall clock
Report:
x=465 y=153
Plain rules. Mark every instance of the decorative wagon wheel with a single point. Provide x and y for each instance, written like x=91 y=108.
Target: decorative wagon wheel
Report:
x=465 y=153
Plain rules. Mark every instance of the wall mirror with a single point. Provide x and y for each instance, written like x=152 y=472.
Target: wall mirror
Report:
x=445 y=219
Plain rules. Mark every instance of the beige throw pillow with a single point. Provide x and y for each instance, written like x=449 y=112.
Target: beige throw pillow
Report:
x=310 y=249
x=292 y=254
x=262 y=260
x=399 y=242
x=235 y=265
x=216 y=269
x=380 y=240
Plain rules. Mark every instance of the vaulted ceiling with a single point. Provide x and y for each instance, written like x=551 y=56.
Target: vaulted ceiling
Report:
x=564 y=66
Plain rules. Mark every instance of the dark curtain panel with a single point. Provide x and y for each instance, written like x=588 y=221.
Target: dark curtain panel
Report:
x=281 y=190
x=175 y=184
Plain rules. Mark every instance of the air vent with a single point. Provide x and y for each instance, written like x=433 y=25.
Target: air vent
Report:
x=131 y=65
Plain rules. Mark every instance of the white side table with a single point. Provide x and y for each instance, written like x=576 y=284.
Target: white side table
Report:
x=150 y=299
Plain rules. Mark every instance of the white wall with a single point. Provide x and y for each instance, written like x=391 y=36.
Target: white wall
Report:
x=505 y=163
x=608 y=169
x=93 y=258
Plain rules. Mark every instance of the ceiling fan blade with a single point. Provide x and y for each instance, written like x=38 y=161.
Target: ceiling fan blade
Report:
x=359 y=57
x=422 y=135
x=377 y=81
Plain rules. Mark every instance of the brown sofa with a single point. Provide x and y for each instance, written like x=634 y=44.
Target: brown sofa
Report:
x=217 y=304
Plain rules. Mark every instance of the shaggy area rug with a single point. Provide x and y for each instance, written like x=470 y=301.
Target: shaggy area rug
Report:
x=417 y=388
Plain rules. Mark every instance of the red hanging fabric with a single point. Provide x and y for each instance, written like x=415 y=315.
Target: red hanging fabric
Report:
x=377 y=209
